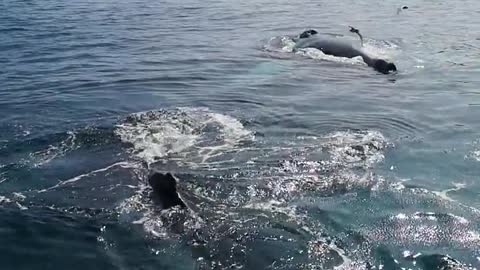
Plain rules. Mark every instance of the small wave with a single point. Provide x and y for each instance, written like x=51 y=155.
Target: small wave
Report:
x=53 y=151
x=436 y=261
x=185 y=133
x=44 y=149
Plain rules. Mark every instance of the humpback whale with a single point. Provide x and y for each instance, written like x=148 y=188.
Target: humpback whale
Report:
x=331 y=46
x=165 y=190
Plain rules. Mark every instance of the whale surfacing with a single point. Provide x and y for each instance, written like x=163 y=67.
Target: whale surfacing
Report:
x=165 y=190
x=339 y=48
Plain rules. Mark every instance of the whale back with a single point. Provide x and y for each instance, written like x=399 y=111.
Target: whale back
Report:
x=329 y=46
x=340 y=48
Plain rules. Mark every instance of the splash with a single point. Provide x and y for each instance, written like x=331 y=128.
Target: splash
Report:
x=475 y=155
x=183 y=133
x=356 y=148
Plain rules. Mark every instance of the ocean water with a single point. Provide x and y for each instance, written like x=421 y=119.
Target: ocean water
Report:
x=291 y=160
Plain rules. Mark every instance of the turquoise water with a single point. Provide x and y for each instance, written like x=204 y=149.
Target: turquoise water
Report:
x=291 y=160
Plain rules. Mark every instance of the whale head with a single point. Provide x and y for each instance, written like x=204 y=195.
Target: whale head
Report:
x=307 y=33
x=383 y=66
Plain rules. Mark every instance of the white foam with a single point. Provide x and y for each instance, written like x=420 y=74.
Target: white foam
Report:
x=186 y=132
x=53 y=151
x=19 y=196
x=364 y=148
x=157 y=136
x=4 y=199
x=233 y=130
x=274 y=206
x=122 y=164
x=474 y=155
x=406 y=253
x=444 y=193
x=319 y=55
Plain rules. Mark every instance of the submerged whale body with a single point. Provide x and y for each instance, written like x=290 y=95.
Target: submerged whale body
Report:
x=311 y=39
x=165 y=190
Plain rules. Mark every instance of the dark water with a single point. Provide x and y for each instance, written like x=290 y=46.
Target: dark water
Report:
x=293 y=160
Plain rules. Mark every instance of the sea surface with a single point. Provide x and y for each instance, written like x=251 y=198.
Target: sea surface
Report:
x=288 y=159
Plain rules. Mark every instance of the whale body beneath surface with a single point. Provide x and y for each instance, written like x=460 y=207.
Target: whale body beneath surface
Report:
x=335 y=47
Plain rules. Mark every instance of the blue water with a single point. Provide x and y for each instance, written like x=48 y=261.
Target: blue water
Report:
x=292 y=160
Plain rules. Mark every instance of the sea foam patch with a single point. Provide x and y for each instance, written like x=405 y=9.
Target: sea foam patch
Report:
x=181 y=133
